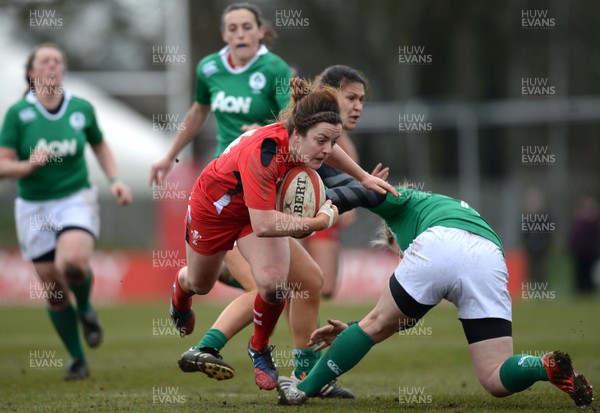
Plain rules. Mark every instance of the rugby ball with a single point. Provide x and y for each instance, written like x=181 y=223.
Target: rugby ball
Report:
x=301 y=192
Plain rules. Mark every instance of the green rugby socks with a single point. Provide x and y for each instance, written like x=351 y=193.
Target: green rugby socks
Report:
x=304 y=360
x=82 y=294
x=520 y=371
x=213 y=338
x=345 y=352
x=67 y=326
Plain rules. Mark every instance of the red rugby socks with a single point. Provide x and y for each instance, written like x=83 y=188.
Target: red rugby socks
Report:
x=181 y=300
x=265 y=319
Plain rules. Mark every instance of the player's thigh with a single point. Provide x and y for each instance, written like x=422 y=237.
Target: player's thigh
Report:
x=269 y=259
x=488 y=356
x=36 y=228
x=74 y=248
x=304 y=270
x=326 y=253
x=202 y=271
x=239 y=269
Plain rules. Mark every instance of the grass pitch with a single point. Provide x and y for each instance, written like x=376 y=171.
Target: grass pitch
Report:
x=136 y=367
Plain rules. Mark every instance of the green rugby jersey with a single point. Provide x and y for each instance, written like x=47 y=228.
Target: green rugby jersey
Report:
x=416 y=211
x=29 y=126
x=240 y=96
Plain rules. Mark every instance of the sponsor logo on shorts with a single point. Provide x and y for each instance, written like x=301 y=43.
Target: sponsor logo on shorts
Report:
x=196 y=237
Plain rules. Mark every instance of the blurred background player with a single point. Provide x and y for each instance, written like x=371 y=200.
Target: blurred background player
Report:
x=242 y=84
x=450 y=252
x=536 y=243
x=584 y=242
x=42 y=146
x=325 y=246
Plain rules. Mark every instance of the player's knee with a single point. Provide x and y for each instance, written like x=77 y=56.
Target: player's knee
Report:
x=225 y=275
x=499 y=393
x=201 y=287
x=75 y=272
x=496 y=391
x=327 y=292
x=197 y=281
x=275 y=295
x=379 y=327
x=491 y=384
x=313 y=280
x=272 y=284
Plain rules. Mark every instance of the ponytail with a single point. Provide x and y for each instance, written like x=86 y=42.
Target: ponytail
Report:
x=310 y=105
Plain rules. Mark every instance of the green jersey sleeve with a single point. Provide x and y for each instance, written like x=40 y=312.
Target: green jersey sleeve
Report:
x=202 y=94
x=92 y=131
x=9 y=136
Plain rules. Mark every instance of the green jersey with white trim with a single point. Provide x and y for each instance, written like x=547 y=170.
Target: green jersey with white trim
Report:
x=28 y=126
x=254 y=93
x=415 y=211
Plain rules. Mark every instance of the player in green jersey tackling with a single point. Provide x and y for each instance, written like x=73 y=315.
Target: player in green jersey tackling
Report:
x=450 y=252
x=42 y=146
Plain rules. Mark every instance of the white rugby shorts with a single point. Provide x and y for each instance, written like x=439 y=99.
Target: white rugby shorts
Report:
x=464 y=268
x=39 y=222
